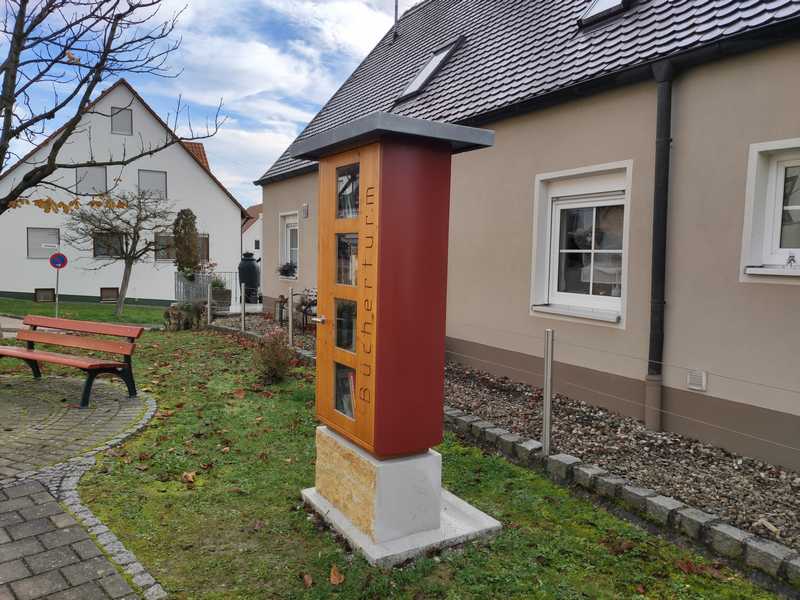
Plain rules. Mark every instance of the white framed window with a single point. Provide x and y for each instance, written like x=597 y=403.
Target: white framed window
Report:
x=771 y=236
x=91 y=181
x=121 y=121
x=153 y=182
x=580 y=242
x=289 y=237
x=43 y=241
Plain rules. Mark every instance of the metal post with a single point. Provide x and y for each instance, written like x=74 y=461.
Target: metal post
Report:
x=241 y=298
x=210 y=305
x=58 y=272
x=547 y=393
x=291 y=317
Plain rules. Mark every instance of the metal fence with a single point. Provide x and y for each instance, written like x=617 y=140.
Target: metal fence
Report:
x=226 y=288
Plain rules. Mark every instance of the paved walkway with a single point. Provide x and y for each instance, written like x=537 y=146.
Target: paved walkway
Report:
x=45 y=553
x=41 y=424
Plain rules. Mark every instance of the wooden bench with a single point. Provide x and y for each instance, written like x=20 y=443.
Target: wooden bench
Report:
x=91 y=366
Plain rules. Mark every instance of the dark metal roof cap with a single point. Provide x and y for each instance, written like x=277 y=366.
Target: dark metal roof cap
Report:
x=377 y=124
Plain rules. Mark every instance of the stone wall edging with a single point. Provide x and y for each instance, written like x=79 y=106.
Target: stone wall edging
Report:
x=62 y=480
x=772 y=559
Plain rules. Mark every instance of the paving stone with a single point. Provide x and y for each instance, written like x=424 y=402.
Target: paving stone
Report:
x=527 y=450
x=585 y=475
x=662 y=509
x=155 y=593
x=4 y=537
x=10 y=519
x=40 y=510
x=11 y=571
x=5 y=593
x=15 y=550
x=30 y=528
x=636 y=496
x=463 y=422
x=727 y=540
x=134 y=568
x=793 y=571
x=63 y=520
x=39 y=585
x=692 y=521
x=477 y=428
x=87 y=591
x=86 y=549
x=25 y=489
x=42 y=498
x=62 y=537
x=560 y=467
x=507 y=442
x=94 y=568
x=491 y=435
x=15 y=504
x=115 y=586
x=143 y=580
x=765 y=555
x=52 y=559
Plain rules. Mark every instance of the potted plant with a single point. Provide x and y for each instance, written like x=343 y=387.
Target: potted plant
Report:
x=288 y=269
x=220 y=294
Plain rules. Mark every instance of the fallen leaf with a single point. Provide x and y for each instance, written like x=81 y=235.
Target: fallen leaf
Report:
x=225 y=450
x=239 y=394
x=237 y=490
x=640 y=589
x=142 y=467
x=307 y=580
x=336 y=577
x=207 y=466
x=188 y=476
x=144 y=456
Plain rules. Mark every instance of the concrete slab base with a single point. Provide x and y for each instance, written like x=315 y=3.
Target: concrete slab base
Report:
x=460 y=523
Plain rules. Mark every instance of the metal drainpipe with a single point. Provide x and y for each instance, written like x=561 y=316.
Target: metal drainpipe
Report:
x=663 y=73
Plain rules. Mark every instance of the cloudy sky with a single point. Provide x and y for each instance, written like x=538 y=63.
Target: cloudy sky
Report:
x=272 y=62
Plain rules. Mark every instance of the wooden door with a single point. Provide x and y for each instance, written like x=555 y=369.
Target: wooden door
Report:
x=347 y=292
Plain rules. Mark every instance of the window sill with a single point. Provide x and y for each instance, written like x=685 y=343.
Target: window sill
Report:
x=283 y=278
x=781 y=271
x=608 y=316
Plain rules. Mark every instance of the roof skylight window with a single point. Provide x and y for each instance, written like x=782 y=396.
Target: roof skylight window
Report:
x=435 y=62
x=602 y=9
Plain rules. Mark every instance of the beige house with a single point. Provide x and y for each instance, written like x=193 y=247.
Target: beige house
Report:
x=668 y=271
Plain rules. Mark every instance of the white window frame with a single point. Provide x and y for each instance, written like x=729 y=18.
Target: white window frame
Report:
x=286 y=221
x=581 y=300
x=762 y=259
x=596 y=185
x=118 y=110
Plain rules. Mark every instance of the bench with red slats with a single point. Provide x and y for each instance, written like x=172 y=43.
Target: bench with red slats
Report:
x=90 y=365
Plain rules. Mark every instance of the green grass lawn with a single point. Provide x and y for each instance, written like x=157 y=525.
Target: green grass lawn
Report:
x=239 y=530
x=86 y=311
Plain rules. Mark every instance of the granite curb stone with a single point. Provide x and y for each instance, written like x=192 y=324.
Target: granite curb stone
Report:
x=768 y=557
x=478 y=428
x=765 y=555
x=692 y=522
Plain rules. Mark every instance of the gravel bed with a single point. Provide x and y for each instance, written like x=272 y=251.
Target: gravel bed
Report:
x=257 y=323
x=753 y=495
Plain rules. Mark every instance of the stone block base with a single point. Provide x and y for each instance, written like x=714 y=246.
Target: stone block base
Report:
x=390 y=510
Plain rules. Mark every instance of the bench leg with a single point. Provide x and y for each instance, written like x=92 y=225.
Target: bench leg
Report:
x=126 y=375
x=34 y=365
x=87 y=388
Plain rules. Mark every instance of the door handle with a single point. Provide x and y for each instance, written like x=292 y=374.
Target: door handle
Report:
x=320 y=320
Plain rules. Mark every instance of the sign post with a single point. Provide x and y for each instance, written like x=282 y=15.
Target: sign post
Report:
x=58 y=261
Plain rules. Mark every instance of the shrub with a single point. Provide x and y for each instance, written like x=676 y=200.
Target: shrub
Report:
x=184 y=315
x=288 y=269
x=218 y=282
x=274 y=357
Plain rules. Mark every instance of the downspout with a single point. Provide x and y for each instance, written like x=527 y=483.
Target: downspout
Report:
x=663 y=73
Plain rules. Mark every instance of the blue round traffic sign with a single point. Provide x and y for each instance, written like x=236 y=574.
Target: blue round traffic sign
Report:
x=58 y=260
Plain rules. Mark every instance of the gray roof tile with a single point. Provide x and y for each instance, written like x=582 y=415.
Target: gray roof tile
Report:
x=517 y=50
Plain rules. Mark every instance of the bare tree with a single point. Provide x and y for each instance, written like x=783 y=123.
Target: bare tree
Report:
x=62 y=50
x=119 y=228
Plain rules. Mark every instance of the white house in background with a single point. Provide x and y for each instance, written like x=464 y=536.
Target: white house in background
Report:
x=252 y=229
x=181 y=172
